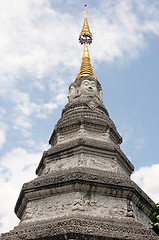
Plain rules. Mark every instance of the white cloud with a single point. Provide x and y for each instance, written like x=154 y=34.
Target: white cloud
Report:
x=39 y=45
x=121 y=28
x=61 y=98
x=34 y=37
x=25 y=111
x=2 y=111
x=21 y=122
x=16 y=167
x=126 y=132
x=140 y=143
x=49 y=106
x=147 y=179
x=3 y=128
x=2 y=138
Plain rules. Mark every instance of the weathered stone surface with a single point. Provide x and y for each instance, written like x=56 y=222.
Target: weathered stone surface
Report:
x=83 y=159
x=89 y=145
x=83 y=190
x=79 y=112
x=81 y=229
x=84 y=203
x=86 y=180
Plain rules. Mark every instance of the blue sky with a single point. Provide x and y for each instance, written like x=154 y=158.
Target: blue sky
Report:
x=40 y=56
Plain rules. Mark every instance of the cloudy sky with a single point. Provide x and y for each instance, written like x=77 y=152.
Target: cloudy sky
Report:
x=40 y=56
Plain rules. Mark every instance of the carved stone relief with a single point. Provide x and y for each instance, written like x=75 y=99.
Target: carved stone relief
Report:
x=141 y=216
x=81 y=160
x=121 y=170
x=29 y=211
x=73 y=92
x=84 y=160
x=78 y=202
x=85 y=87
x=92 y=104
x=130 y=209
x=59 y=164
x=102 y=163
x=60 y=138
x=82 y=132
x=72 y=203
x=88 y=87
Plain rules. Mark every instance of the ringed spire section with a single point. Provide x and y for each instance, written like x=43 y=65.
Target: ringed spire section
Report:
x=86 y=67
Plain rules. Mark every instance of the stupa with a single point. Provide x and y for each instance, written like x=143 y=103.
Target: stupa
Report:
x=83 y=188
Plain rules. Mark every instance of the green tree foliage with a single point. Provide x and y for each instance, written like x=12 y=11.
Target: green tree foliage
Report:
x=155 y=219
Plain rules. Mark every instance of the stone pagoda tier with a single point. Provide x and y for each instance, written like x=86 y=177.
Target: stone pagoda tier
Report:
x=83 y=188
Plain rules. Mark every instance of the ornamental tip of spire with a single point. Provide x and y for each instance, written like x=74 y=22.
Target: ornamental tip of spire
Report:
x=85 y=35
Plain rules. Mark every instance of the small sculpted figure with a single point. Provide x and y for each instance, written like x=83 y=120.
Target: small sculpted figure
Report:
x=82 y=132
x=78 y=202
x=28 y=214
x=81 y=161
x=47 y=169
x=130 y=209
x=60 y=138
x=85 y=86
x=89 y=88
x=101 y=95
x=72 y=91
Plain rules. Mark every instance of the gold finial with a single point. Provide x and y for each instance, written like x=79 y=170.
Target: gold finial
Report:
x=85 y=13
x=85 y=34
x=85 y=37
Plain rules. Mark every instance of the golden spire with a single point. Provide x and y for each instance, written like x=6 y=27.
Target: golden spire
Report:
x=85 y=37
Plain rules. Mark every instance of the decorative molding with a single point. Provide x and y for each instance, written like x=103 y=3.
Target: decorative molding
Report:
x=83 y=159
x=82 y=132
x=140 y=216
x=56 y=206
x=92 y=143
x=82 y=228
x=84 y=180
x=86 y=109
